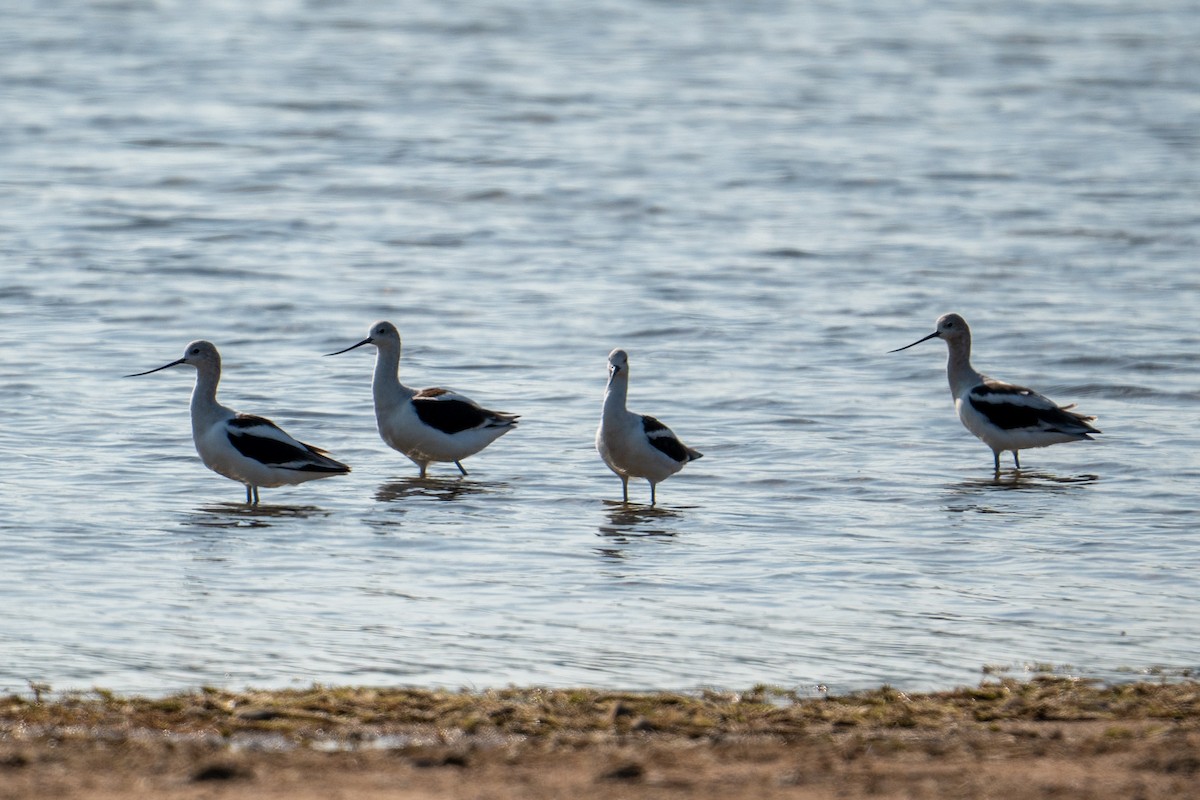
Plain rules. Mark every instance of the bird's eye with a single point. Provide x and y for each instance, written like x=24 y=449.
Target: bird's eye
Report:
x=195 y=351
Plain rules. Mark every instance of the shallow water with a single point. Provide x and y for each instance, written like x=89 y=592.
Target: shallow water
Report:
x=756 y=200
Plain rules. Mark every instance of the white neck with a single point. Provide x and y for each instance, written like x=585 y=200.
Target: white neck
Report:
x=961 y=374
x=206 y=411
x=386 y=384
x=615 y=394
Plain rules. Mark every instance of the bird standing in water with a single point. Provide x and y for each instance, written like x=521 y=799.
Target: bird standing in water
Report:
x=636 y=445
x=426 y=425
x=1004 y=416
x=250 y=450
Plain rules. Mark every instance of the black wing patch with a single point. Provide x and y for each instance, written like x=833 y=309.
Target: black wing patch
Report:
x=250 y=421
x=662 y=438
x=1001 y=390
x=449 y=416
x=274 y=452
x=1010 y=407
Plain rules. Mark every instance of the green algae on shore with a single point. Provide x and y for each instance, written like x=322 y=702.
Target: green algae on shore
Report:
x=352 y=714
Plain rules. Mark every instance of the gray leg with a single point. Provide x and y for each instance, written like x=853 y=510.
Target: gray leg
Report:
x=624 y=489
x=652 y=501
x=996 y=456
x=422 y=466
x=1017 y=458
x=460 y=467
x=249 y=495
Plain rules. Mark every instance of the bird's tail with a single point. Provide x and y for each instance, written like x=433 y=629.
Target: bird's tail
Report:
x=323 y=463
x=501 y=419
x=1085 y=420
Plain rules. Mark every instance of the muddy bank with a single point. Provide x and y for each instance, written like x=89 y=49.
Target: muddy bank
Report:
x=1043 y=738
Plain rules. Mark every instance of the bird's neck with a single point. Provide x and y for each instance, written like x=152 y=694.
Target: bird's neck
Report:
x=615 y=394
x=961 y=374
x=206 y=411
x=386 y=385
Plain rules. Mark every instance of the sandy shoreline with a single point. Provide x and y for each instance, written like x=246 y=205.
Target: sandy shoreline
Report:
x=1042 y=738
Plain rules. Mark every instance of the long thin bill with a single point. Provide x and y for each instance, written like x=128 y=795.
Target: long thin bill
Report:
x=351 y=347
x=156 y=369
x=914 y=344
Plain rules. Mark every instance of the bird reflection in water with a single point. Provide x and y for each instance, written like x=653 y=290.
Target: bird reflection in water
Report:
x=240 y=515
x=436 y=488
x=1028 y=481
x=628 y=523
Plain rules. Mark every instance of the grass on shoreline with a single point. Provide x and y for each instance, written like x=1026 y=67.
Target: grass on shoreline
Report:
x=560 y=717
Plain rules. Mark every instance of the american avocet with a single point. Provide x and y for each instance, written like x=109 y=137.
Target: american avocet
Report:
x=636 y=445
x=250 y=450
x=428 y=424
x=1002 y=415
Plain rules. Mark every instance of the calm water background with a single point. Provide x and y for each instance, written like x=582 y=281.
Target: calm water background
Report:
x=757 y=200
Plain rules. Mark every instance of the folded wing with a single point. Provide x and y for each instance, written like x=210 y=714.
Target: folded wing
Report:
x=1011 y=407
x=664 y=439
x=451 y=413
x=265 y=442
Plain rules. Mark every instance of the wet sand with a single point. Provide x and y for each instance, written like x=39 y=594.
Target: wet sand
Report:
x=1038 y=739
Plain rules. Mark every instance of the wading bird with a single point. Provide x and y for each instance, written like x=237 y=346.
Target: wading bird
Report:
x=250 y=450
x=636 y=445
x=426 y=425
x=1004 y=416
